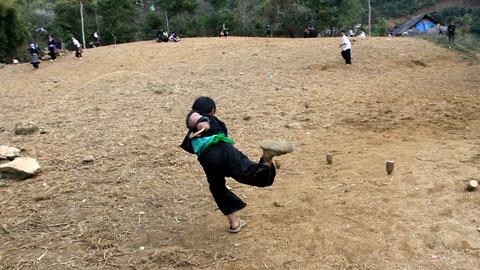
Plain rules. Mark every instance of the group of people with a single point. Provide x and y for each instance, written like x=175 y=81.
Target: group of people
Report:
x=450 y=31
x=35 y=51
x=52 y=47
x=163 y=36
x=309 y=32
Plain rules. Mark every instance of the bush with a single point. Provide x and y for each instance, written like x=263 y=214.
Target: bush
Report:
x=152 y=24
x=13 y=32
x=380 y=28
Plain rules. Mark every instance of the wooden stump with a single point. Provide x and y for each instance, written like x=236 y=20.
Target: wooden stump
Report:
x=389 y=166
x=329 y=157
x=472 y=185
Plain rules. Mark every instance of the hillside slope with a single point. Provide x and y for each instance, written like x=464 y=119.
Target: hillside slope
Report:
x=440 y=6
x=144 y=203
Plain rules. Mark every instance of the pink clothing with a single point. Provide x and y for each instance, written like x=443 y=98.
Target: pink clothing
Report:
x=193 y=120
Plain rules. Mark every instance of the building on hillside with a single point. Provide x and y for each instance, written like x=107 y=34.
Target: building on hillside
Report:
x=421 y=24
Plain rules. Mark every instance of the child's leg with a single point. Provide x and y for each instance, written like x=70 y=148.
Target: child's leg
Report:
x=213 y=163
x=226 y=200
x=245 y=171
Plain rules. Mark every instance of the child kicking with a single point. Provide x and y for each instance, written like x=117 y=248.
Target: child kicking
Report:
x=208 y=139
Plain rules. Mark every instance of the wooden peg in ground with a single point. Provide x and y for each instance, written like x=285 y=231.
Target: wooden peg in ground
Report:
x=329 y=157
x=472 y=185
x=389 y=166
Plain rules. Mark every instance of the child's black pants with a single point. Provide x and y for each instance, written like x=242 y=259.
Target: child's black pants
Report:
x=224 y=160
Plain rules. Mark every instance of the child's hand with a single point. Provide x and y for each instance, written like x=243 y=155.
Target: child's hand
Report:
x=203 y=125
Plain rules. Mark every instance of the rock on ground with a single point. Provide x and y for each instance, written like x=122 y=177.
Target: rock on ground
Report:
x=88 y=159
x=24 y=129
x=20 y=168
x=7 y=152
x=294 y=125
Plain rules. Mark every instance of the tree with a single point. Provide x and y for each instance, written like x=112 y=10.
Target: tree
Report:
x=381 y=27
x=152 y=24
x=117 y=20
x=13 y=32
x=67 y=19
x=175 y=7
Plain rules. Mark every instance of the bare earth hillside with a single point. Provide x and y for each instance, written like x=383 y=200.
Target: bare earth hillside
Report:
x=144 y=203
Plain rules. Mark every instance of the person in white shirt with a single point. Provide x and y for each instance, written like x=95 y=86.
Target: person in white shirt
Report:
x=346 y=47
x=96 y=39
x=78 y=48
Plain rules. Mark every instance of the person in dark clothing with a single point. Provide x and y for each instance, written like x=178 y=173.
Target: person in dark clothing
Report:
x=52 y=47
x=291 y=31
x=165 y=36
x=208 y=139
x=268 y=31
x=306 y=34
x=451 y=32
x=34 y=50
x=311 y=31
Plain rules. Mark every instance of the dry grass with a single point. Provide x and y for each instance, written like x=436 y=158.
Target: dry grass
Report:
x=144 y=203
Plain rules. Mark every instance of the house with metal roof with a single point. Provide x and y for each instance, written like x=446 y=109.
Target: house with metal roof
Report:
x=420 y=24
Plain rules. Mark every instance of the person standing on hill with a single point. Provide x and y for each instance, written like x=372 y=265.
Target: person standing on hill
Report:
x=451 y=32
x=291 y=31
x=306 y=34
x=207 y=137
x=78 y=48
x=346 y=48
x=52 y=47
x=34 y=50
x=96 y=39
x=268 y=31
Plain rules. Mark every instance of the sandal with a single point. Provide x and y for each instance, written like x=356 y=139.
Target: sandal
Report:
x=278 y=147
x=236 y=230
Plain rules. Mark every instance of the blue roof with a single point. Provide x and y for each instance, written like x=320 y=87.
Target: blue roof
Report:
x=412 y=22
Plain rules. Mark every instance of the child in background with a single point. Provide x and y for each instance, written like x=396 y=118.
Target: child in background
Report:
x=78 y=48
x=35 y=52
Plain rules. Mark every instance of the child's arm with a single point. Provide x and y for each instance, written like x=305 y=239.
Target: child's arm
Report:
x=205 y=125
x=198 y=122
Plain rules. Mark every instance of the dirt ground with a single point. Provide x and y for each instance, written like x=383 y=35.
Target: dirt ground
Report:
x=144 y=203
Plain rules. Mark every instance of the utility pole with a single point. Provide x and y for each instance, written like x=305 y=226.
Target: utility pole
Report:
x=166 y=18
x=83 y=27
x=369 y=19
x=96 y=15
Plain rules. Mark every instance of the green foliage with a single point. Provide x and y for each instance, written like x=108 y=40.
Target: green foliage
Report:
x=117 y=20
x=186 y=24
x=67 y=20
x=398 y=8
x=466 y=18
x=211 y=24
x=217 y=4
x=152 y=24
x=380 y=28
x=465 y=43
x=126 y=20
x=13 y=32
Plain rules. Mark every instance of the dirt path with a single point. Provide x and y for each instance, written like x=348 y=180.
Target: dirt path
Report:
x=144 y=203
